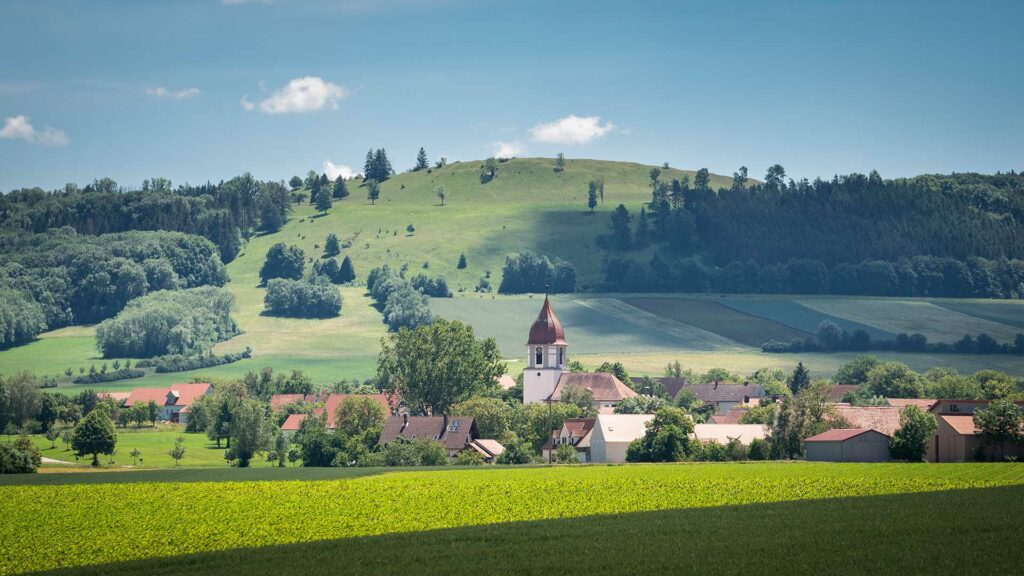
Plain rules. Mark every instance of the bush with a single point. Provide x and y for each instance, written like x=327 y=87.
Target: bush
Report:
x=169 y=322
x=113 y=376
x=21 y=457
x=566 y=454
x=283 y=262
x=179 y=363
x=758 y=449
x=312 y=298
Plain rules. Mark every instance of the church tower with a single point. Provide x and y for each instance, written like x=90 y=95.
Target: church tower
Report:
x=545 y=356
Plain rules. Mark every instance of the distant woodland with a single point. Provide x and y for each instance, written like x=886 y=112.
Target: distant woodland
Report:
x=958 y=235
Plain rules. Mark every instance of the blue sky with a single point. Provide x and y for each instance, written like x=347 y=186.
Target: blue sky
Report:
x=203 y=90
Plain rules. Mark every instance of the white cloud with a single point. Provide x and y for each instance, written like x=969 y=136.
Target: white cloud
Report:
x=571 y=130
x=334 y=170
x=508 y=149
x=19 y=128
x=306 y=94
x=183 y=94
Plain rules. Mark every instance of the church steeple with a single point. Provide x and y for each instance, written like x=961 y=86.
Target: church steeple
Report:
x=545 y=355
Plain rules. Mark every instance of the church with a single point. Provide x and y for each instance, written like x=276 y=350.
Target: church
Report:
x=546 y=376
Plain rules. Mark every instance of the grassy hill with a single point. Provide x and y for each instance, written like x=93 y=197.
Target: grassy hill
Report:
x=529 y=206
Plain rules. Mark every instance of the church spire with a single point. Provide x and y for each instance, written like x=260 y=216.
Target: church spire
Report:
x=546 y=329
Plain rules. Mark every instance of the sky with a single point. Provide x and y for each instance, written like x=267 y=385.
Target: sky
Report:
x=203 y=90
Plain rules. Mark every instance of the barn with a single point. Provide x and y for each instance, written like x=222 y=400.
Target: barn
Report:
x=848 y=445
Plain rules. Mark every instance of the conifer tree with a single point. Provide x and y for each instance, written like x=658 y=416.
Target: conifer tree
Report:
x=373 y=191
x=592 y=195
x=331 y=246
x=421 y=160
x=346 y=273
x=800 y=379
x=323 y=200
x=462 y=262
x=340 y=189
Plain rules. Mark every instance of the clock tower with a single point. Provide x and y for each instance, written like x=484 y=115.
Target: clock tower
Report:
x=545 y=356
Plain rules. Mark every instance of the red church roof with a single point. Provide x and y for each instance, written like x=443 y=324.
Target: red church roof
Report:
x=546 y=328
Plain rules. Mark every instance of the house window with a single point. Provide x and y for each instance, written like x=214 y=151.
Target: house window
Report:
x=538 y=357
x=954 y=407
x=561 y=356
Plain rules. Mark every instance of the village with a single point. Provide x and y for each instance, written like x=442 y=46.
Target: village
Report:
x=604 y=435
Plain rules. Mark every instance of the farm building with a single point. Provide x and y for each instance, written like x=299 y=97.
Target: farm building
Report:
x=884 y=419
x=612 y=434
x=575 y=432
x=546 y=377
x=848 y=445
x=922 y=403
x=728 y=417
x=836 y=392
x=957 y=439
x=173 y=401
x=455 y=432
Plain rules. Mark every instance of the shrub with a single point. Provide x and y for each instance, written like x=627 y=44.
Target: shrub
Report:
x=312 y=298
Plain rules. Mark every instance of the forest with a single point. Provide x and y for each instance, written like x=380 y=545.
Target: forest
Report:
x=62 y=277
x=953 y=235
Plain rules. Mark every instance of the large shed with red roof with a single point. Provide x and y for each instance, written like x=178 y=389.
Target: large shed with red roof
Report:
x=173 y=401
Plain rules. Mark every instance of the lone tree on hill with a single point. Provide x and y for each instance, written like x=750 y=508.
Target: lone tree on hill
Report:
x=560 y=162
x=295 y=183
x=421 y=161
x=462 y=262
x=323 y=200
x=95 y=435
x=592 y=195
x=373 y=192
x=331 y=246
x=442 y=193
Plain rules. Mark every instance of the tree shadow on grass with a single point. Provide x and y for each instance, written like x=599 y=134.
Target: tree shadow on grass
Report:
x=975 y=531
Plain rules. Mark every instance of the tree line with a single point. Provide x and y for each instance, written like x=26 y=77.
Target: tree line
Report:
x=831 y=338
x=528 y=272
x=948 y=235
x=226 y=213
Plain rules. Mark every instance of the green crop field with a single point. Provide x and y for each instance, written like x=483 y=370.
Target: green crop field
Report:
x=526 y=520
x=527 y=207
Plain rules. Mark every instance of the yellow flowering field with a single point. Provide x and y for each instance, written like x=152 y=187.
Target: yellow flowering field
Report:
x=46 y=527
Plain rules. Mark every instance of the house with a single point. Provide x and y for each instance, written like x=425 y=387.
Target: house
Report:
x=848 y=445
x=489 y=450
x=723 y=433
x=119 y=397
x=967 y=407
x=173 y=401
x=330 y=402
x=612 y=434
x=545 y=377
x=454 y=432
x=722 y=395
x=575 y=432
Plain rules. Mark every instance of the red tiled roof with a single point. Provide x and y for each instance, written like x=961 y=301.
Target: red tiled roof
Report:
x=293 y=422
x=884 y=419
x=278 y=401
x=605 y=386
x=925 y=404
x=118 y=396
x=728 y=417
x=962 y=424
x=546 y=328
x=506 y=382
x=185 y=394
x=840 y=434
x=836 y=393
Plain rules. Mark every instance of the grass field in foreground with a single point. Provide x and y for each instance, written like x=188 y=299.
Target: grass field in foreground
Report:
x=49 y=527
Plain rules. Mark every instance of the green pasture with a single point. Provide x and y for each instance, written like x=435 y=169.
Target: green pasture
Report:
x=501 y=519
x=787 y=311
x=748 y=329
x=153 y=442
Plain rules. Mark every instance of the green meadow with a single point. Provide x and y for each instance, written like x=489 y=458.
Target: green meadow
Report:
x=834 y=518
x=528 y=206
